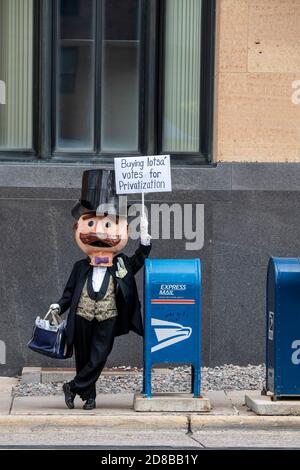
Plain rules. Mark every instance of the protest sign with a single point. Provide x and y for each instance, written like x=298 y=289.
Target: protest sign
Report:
x=150 y=174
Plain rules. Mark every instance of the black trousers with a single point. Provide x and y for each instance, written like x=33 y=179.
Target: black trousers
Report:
x=93 y=341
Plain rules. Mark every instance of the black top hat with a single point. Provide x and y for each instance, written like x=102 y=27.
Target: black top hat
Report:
x=98 y=194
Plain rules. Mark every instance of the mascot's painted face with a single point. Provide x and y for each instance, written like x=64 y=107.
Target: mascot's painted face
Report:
x=101 y=237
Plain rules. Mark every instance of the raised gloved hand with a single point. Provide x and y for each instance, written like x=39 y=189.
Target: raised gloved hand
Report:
x=55 y=308
x=145 y=236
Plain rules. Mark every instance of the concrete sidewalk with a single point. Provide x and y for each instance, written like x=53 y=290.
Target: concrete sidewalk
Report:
x=223 y=404
x=44 y=419
x=227 y=407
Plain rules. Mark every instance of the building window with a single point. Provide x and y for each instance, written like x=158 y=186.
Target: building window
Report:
x=90 y=79
x=120 y=77
x=97 y=55
x=182 y=76
x=74 y=48
x=16 y=71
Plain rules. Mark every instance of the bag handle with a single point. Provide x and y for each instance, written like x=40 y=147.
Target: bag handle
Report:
x=55 y=317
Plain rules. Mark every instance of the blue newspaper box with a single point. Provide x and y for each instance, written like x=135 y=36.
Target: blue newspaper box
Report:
x=172 y=317
x=283 y=327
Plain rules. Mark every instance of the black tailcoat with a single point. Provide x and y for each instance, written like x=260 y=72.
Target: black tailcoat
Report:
x=127 y=300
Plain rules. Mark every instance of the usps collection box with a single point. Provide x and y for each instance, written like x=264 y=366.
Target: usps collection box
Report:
x=283 y=327
x=172 y=317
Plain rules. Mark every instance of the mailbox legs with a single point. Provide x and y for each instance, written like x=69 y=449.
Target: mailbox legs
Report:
x=192 y=378
x=147 y=381
x=196 y=381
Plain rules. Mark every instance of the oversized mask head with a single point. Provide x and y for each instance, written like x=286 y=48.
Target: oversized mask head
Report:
x=101 y=237
x=101 y=230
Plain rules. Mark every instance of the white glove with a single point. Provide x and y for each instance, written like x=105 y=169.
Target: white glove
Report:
x=55 y=307
x=145 y=237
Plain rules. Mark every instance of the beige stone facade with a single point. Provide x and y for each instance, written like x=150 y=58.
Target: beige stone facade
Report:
x=257 y=110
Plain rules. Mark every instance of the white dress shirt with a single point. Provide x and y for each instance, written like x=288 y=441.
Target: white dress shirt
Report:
x=98 y=276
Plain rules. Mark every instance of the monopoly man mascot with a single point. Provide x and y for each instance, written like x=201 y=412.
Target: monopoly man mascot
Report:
x=101 y=293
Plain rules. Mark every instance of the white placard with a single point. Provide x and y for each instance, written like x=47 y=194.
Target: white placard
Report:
x=150 y=174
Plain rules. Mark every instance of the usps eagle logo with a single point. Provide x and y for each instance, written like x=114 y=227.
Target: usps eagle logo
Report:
x=168 y=333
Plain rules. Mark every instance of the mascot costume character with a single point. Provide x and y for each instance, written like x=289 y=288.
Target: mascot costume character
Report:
x=101 y=293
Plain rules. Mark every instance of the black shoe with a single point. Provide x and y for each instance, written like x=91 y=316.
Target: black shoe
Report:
x=90 y=404
x=69 y=396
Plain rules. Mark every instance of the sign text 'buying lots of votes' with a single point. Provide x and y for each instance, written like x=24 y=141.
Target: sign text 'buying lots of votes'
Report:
x=149 y=174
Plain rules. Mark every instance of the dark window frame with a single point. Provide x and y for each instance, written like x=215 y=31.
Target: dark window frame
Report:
x=150 y=134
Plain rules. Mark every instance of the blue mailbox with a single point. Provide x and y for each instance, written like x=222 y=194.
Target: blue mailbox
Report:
x=172 y=317
x=283 y=327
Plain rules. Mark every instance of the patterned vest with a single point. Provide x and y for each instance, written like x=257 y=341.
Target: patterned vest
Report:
x=101 y=309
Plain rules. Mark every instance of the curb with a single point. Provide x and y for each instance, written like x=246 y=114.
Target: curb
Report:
x=158 y=422
x=198 y=422
x=121 y=422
